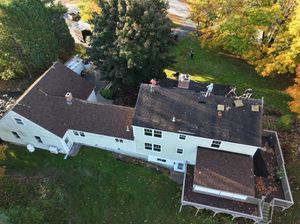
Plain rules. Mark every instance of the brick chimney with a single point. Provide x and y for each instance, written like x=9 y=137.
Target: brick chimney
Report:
x=69 y=98
x=183 y=81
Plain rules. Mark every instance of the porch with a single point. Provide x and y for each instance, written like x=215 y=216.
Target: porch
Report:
x=216 y=204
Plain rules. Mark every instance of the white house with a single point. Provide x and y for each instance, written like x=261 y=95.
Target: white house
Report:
x=214 y=140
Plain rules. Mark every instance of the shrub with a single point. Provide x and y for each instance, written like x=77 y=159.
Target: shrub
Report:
x=285 y=122
x=107 y=93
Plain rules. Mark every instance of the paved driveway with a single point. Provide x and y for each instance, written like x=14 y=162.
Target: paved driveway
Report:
x=179 y=8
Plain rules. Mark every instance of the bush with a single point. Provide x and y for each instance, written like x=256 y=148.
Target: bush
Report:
x=285 y=122
x=107 y=93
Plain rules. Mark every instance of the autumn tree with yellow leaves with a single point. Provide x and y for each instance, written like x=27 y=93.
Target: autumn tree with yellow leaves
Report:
x=266 y=33
x=87 y=8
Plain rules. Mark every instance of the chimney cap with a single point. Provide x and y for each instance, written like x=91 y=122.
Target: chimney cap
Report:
x=69 y=98
x=173 y=119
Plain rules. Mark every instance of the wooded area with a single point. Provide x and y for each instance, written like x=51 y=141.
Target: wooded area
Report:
x=265 y=33
x=33 y=34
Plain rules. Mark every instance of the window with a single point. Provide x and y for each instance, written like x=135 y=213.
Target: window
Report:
x=119 y=140
x=180 y=166
x=180 y=151
x=157 y=148
x=148 y=146
x=19 y=121
x=66 y=140
x=148 y=132
x=157 y=134
x=161 y=160
x=215 y=144
x=183 y=137
x=15 y=134
x=82 y=134
x=75 y=133
x=39 y=140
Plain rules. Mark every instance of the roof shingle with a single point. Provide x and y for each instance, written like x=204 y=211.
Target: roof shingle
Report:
x=198 y=115
x=225 y=171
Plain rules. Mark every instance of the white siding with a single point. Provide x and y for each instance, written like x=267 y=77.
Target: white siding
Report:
x=27 y=133
x=170 y=142
x=92 y=97
x=104 y=142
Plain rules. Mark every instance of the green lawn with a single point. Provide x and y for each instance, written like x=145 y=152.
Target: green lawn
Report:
x=90 y=188
x=212 y=66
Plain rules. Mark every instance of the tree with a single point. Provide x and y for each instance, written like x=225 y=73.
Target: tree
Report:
x=257 y=31
x=32 y=36
x=265 y=33
x=131 y=40
x=294 y=92
x=87 y=8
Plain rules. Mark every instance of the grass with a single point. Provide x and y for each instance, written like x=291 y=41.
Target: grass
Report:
x=209 y=65
x=92 y=187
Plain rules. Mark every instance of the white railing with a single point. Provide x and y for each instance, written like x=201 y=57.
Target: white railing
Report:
x=288 y=198
x=219 y=210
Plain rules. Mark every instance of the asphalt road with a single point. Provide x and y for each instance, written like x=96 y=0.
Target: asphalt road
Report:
x=180 y=9
x=177 y=7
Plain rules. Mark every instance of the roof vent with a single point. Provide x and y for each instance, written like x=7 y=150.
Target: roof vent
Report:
x=238 y=103
x=210 y=88
x=220 y=107
x=183 y=81
x=127 y=128
x=173 y=119
x=69 y=98
x=255 y=108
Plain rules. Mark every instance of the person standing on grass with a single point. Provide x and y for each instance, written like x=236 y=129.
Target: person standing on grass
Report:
x=191 y=54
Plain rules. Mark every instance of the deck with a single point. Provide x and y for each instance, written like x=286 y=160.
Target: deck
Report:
x=217 y=204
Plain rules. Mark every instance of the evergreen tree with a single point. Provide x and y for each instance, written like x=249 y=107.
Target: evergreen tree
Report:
x=32 y=36
x=131 y=39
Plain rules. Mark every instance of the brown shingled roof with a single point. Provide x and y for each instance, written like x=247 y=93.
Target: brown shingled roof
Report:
x=224 y=171
x=44 y=104
x=203 y=199
x=198 y=115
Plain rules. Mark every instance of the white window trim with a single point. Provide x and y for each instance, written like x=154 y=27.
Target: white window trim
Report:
x=148 y=130
x=15 y=134
x=149 y=145
x=77 y=133
x=178 y=152
x=160 y=160
x=156 y=150
x=159 y=132
x=212 y=143
x=20 y=120
x=182 y=138
x=38 y=139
